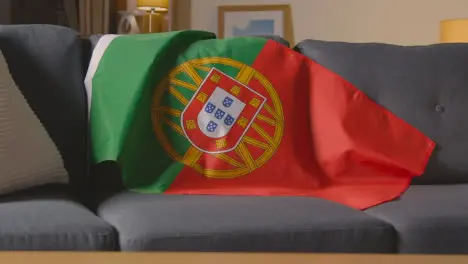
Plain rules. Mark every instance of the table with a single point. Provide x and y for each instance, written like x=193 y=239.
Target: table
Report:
x=220 y=258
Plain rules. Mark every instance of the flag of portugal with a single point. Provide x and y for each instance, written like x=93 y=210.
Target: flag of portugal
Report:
x=186 y=113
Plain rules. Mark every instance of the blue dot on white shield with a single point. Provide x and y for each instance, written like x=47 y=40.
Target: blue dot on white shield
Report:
x=219 y=114
x=209 y=108
x=211 y=127
x=227 y=102
x=229 y=120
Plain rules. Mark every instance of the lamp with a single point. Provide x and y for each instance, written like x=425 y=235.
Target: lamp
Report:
x=153 y=7
x=454 y=31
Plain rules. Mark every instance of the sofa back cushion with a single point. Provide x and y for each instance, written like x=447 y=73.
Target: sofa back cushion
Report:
x=46 y=64
x=427 y=86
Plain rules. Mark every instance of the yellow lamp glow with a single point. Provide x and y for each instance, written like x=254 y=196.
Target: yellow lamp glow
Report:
x=454 y=31
x=153 y=5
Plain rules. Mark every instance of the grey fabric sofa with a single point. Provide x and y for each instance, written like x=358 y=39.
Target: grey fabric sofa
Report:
x=426 y=86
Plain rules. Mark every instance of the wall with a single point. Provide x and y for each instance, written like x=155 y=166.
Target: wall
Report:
x=4 y=11
x=392 y=21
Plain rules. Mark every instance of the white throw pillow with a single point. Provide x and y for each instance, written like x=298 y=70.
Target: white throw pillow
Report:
x=28 y=156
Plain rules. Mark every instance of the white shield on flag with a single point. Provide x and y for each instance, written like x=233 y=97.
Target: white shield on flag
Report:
x=219 y=113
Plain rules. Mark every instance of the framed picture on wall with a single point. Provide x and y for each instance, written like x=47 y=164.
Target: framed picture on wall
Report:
x=255 y=20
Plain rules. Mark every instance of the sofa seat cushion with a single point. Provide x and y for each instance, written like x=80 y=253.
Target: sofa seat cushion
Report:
x=48 y=218
x=158 y=222
x=429 y=219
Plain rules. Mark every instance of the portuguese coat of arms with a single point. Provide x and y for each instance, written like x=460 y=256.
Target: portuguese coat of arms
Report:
x=220 y=113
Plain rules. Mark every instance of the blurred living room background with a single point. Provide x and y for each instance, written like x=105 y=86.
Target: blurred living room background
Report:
x=97 y=16
x=402 y=22
x=405 y=22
